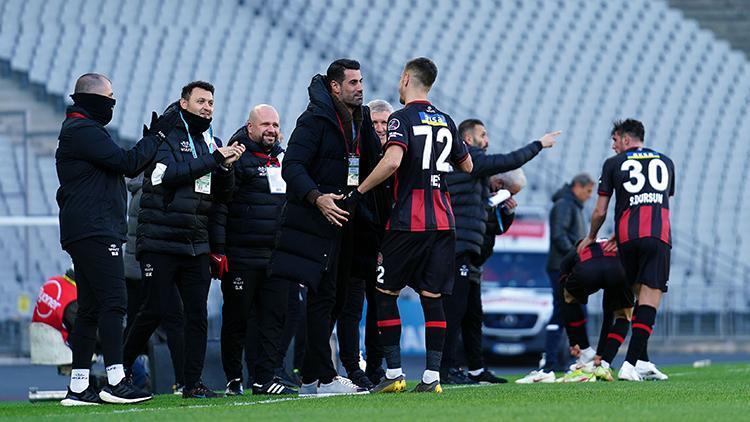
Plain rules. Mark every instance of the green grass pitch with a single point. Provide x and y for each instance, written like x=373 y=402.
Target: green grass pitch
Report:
x=718 y=392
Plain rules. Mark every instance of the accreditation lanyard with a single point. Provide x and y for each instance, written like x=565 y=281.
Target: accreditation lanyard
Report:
x=352 y=177
x=203 y=183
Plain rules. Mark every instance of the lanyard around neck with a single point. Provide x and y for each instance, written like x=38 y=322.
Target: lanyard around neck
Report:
x=190 y=138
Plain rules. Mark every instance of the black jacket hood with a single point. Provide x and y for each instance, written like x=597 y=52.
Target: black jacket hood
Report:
x=321 y=102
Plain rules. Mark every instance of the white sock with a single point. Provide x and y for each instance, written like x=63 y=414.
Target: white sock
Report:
x=476 y=372
x=605 y=364
x=115 y=374
x=428 y=377
x=79 y=380
x=393 y=373
x=588 y=351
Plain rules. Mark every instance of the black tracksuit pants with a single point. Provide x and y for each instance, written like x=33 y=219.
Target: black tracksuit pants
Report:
x=373 y=350
x=243 y=290
x=463 y=315
x=350 y=299
x=192 y=278
x=102 y=299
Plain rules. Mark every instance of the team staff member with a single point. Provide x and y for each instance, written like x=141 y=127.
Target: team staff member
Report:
x=332 y=148
x=92 y=198
x=642 y=180
x=469 y=193
x=190 y=171
x=243 y=234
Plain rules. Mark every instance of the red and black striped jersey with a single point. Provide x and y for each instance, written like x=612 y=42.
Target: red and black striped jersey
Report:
x=430 y=140
x=643 y=180
x=590 y=252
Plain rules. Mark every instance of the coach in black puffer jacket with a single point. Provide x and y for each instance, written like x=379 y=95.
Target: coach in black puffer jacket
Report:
x=469 y=193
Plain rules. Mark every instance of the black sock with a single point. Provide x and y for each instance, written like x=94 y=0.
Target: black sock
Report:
x=608 y=319
x=643 y=321
x=434 y=333
x=389 y=328
x=644 y=353
x=615 y=338
x=575 y=325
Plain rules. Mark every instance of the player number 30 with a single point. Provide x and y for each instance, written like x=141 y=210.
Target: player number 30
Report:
x=658 y=175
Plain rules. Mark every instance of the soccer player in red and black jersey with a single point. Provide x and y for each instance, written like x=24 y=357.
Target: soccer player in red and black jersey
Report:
x=422 y=142
x=643 y=181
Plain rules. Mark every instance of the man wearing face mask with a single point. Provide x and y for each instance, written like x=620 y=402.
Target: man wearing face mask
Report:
x=333 y=148
x=191 y=171
x=92 y=199
x=243 y=232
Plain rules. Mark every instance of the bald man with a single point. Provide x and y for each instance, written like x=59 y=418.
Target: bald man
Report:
x=242 y=236
x=92 y=199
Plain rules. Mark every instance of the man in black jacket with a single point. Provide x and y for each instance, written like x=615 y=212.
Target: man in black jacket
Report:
x=332 y=149
x=469 y=194
x=190 y=171
x=92 y=198
x=243 y=233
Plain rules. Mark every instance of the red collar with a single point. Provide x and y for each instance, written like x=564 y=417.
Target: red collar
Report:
x=75 y=115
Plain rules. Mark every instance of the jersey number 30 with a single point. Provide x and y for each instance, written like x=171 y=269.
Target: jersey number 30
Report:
x=658 y=175
x=443 y=136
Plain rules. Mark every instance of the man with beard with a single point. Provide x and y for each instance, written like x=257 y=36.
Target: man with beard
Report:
x=242 y=238
x=331 y=150
x=190 y=171
x=92 y=199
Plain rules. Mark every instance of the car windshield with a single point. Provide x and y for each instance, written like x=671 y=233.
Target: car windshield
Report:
x=516 y=269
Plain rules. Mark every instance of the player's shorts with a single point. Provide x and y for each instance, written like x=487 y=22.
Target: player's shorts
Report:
x=422 y=260
x=601 y=273
x=646 y=261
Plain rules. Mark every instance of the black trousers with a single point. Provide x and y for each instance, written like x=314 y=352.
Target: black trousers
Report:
x=102 y=299
x=191 y=277
x=350 y=300
x=294 y=326
x=243 y=290
x=317 y=363
x=373 y=350
x=463 y=314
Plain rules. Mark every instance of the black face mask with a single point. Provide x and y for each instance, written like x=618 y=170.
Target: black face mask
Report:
x=196 y=124
x=99 y=107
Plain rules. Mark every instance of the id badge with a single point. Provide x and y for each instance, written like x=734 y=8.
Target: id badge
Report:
x=203 y=184
x=276 y=183
x=352 y=178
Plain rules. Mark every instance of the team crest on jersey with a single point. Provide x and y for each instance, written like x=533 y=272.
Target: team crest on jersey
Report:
x=394 y=124
x=185 y=146
x=433 y=119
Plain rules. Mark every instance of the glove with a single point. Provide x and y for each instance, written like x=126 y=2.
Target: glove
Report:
x=219 y=265
x=352 y=200
x=161 y=125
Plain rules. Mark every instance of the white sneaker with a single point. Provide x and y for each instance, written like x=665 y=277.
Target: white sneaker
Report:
x=309 y=389
x=628 y=373
x=585 y=361
x=537 y=376
x=649 y=372
x=340 y=385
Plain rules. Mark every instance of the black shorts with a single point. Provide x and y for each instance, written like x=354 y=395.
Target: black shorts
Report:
x=646 y=261
x=604 y=273
x=422 y=260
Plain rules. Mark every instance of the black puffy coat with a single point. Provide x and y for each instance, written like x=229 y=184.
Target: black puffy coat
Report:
x=244 y=229
x=132 y=268
x=316 y=158
x=469 y=193
x=174 y=217
x=92 y=196
x=567 y=226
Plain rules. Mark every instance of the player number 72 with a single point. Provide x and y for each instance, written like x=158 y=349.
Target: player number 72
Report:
x=445 y=136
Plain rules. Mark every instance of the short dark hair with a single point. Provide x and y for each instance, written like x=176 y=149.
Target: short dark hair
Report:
x=467 y=125
x=631 y=127
x=336 y=69
x=89 y=82
x=188 y=89
x=582 y=179
x=423 y=69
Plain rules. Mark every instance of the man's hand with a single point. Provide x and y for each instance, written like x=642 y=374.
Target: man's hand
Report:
x=351 y=200
x=326 y=203
x=232 y=153
x=549 y=139
x=510 y=204
x=610 y=245
x=161 y=125
x=219 y=265
x=584 y=243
